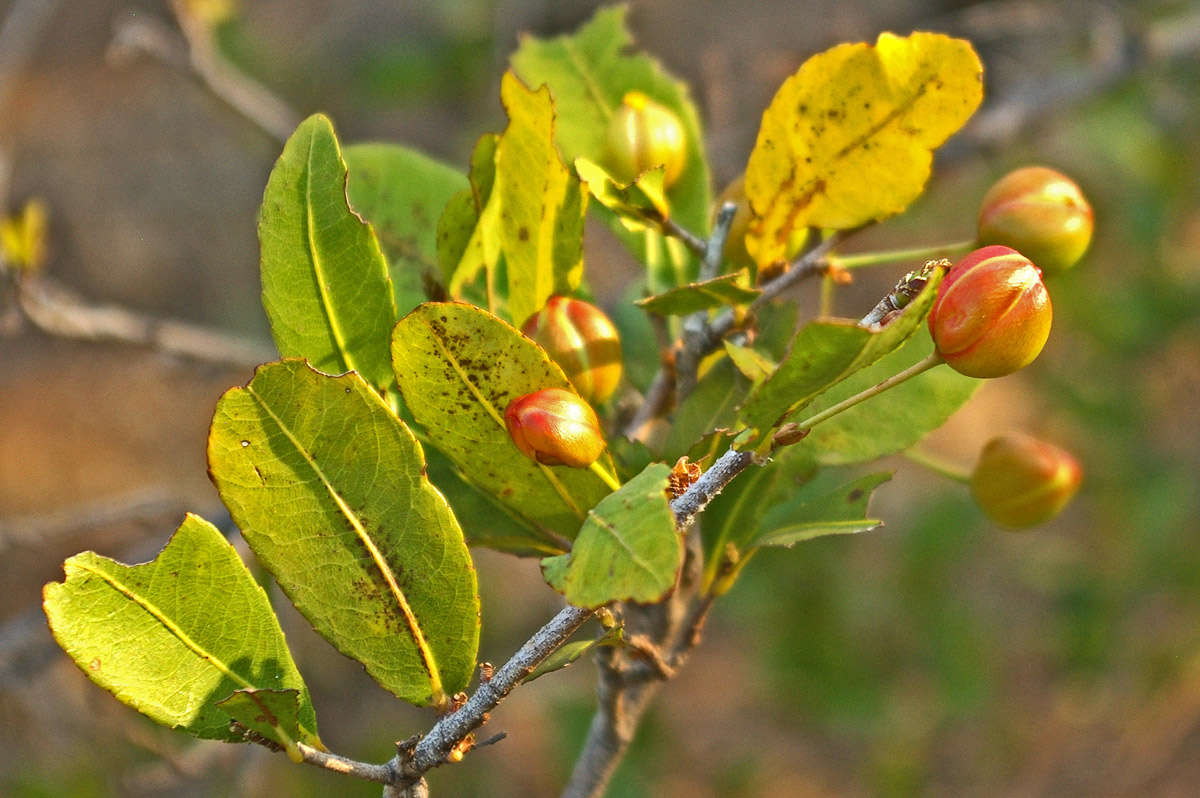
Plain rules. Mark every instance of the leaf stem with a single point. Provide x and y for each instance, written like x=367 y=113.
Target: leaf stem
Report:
x=917 y=368
x=604 y=474
x=865 y=259
x=937 y=465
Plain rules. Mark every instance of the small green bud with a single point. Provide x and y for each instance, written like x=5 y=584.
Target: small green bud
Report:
x=1040 y=213
x=1021 y=481
x=644 y=134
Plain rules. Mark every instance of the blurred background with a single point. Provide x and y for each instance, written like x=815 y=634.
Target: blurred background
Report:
x=938 y=655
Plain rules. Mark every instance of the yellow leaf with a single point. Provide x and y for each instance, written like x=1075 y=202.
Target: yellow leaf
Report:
x=23 y=237
x=542 y=203
x=849 y=137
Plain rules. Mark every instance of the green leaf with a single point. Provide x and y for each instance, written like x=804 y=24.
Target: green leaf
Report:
x=728 y=289
x=269 y=714
x=804 y=517
x=850 y=136
x=895 y=421
x=458 y=367
x=569 y=653
x=733 y=516
x=542 y=203
x=589 y=73
x=823 y=354
x=639 y=205
x=753 y=365
x=402 y=193
x=485 y=520
x=468 y=241
x=712 y=405
x=329 y=490
x=326 y=287
x=628 y=549
x=175 y=636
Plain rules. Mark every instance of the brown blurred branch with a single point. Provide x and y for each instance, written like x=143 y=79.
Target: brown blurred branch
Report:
x=195 y=54
x=53 y=309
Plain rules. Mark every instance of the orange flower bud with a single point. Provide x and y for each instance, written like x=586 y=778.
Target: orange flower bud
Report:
x=644 y=134
x=582 y=341
x=1021 y=481
x=992 y=313
x=555 y=427
x=1039 y=212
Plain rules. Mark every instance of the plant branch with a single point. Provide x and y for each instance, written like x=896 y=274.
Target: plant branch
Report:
x=54 y=310
x=692 y=241
x=380 y=774
x=453 y=728
x=196 y=54
x=695 y=326
x=711 y=483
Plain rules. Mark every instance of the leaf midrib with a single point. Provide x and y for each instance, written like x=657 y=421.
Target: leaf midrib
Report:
x=427 y=658
x=612 y=531
x=339 y=337
x=160 y=615
x=545 y=471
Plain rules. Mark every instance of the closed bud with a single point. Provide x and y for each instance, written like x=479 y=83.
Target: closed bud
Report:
x=1021 y=481
x=1040 y=213
x=555 y=427
x=582 y=341
x=644 y=134
x=992 y=313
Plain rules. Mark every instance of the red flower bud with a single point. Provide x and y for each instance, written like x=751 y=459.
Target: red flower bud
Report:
x=644 y=134
x=1039 y=212
x=582 y=341
x=555 y=427
x=1021 y=481
x=992 y=313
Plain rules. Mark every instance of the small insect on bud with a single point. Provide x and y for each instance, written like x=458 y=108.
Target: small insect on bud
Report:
x=582 y=341
x=555 y=427
x=992 y=313
x=644 y=134
x=1021 y=481
x=1040 y=213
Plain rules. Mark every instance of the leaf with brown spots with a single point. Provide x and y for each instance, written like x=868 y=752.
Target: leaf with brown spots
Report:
x=174 y=637
x=542 y=203
x=849 y=137
x=458 y=367
x=329 y=489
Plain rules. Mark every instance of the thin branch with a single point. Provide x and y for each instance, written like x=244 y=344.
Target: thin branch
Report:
x=695 y=326
x=56 y=311
x=711 y=482
x=380 y=774
x=452 y=729
x=140 y=506
x=196 y=54
x=692 y=241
